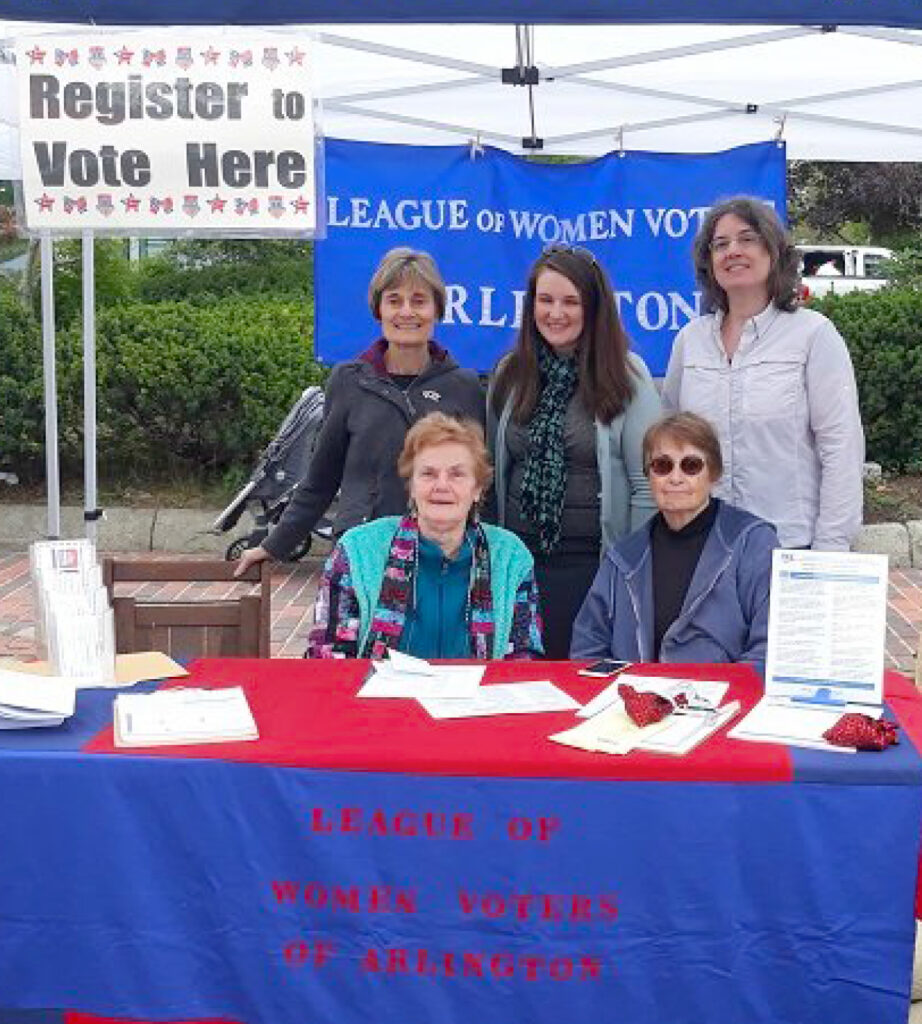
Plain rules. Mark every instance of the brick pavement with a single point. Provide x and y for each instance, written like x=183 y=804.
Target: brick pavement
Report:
x=294 y=586
x=293 y=589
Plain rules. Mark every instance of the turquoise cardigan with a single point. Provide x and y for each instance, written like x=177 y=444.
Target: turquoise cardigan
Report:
x=367 y=548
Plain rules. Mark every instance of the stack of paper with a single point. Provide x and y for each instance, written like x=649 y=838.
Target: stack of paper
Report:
x=28 y=702
x=183 y=716
x=405 y=676
x=503 y=699
x=703 y=694
x=780 y=720
x=75 y=629
x=608 y=728
x=454 y=691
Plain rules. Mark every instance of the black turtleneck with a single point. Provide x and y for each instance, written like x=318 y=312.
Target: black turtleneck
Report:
x=675 y=558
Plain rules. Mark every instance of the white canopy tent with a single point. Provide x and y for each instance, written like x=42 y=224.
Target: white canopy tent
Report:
x=850 y=94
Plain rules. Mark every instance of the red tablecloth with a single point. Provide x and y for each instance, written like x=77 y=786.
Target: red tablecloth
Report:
x=308 y=716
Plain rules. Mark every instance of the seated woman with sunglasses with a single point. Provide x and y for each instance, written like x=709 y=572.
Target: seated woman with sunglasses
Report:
x=691 y=585
x=566 y=414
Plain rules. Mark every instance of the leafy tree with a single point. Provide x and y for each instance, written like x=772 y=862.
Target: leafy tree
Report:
x=857 y=202
x=905 y=269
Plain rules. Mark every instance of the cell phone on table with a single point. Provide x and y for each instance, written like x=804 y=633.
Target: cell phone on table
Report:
x=604 y=669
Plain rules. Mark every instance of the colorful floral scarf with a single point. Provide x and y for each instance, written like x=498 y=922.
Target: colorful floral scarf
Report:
x=398 y=592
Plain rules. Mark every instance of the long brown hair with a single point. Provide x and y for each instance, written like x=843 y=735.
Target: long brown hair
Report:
x=605 y=385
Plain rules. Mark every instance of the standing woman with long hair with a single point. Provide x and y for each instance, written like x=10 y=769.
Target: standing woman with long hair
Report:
x=566 y=415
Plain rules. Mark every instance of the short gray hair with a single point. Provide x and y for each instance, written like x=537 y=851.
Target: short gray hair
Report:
x=402 y=265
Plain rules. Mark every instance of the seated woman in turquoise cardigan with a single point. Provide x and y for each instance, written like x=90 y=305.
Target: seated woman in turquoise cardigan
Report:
x=436 y=583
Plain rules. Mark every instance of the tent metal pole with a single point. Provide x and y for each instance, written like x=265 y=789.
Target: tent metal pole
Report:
x=640 y=126
x=52 y=470
x=90 y=510
x=405 y=90
x=402 y=53
x=420 y=122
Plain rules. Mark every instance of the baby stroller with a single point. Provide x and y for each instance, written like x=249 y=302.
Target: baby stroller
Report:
x=280 y=469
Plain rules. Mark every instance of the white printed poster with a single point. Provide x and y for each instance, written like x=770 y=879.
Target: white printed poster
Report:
x=827 y=626
x=167 y=131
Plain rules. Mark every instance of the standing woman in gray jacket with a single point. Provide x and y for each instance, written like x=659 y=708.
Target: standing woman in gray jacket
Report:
x=371 y=403
x=566 y=415
x=775 y=381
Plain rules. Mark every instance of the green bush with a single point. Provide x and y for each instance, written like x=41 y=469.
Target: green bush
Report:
x=180 y=388
x=22 y=438
x=200 y=387
x=113 y=275
x=883 y=330
x=202 y=270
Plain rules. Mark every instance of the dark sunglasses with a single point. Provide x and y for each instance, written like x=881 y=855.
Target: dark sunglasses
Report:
x=663 y=465
x=573 y=250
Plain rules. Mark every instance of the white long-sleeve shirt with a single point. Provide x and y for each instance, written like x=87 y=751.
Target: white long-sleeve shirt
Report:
x=786 y=413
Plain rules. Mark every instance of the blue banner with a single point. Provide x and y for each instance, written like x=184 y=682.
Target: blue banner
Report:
x=486 y=216
x=905 y=13
x=164 y=890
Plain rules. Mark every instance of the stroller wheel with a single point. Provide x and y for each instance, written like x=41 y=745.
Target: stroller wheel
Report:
x=236 y=548
x=301 y=550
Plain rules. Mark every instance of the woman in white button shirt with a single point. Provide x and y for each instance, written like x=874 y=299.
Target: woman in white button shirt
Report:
x=775 y=380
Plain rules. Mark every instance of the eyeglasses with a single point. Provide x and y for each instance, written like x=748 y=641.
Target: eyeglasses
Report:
x=573 y=250
x=745 y=240
x=663 y=465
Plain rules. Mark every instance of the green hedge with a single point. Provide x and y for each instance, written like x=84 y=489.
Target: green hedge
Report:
x=201 y=271
x=883 y=330
x=183 y=385
x=22 y=419
x=180 y=386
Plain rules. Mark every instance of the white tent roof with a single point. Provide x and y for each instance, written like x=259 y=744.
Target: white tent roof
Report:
x=850 y=94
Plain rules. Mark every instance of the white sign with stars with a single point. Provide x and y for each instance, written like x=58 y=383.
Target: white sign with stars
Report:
x=172 y=131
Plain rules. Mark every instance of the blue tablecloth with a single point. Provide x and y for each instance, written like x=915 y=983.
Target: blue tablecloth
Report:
x=163 y=888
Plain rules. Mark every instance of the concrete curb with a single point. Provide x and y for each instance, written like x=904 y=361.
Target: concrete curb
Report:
x=187 y=530
x=123 y=529
x=893 y=540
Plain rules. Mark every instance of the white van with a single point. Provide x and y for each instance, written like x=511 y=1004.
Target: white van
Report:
x=826 y=269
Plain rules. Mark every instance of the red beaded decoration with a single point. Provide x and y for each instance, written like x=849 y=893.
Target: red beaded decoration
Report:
x=862 y=732
x=644 y=707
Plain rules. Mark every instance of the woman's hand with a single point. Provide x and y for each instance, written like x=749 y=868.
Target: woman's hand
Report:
x=252 y=556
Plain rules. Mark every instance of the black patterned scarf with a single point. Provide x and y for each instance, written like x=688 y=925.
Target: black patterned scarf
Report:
x=544 y=480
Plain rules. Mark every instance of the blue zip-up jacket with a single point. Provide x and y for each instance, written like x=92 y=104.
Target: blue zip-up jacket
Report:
x=724 y=617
